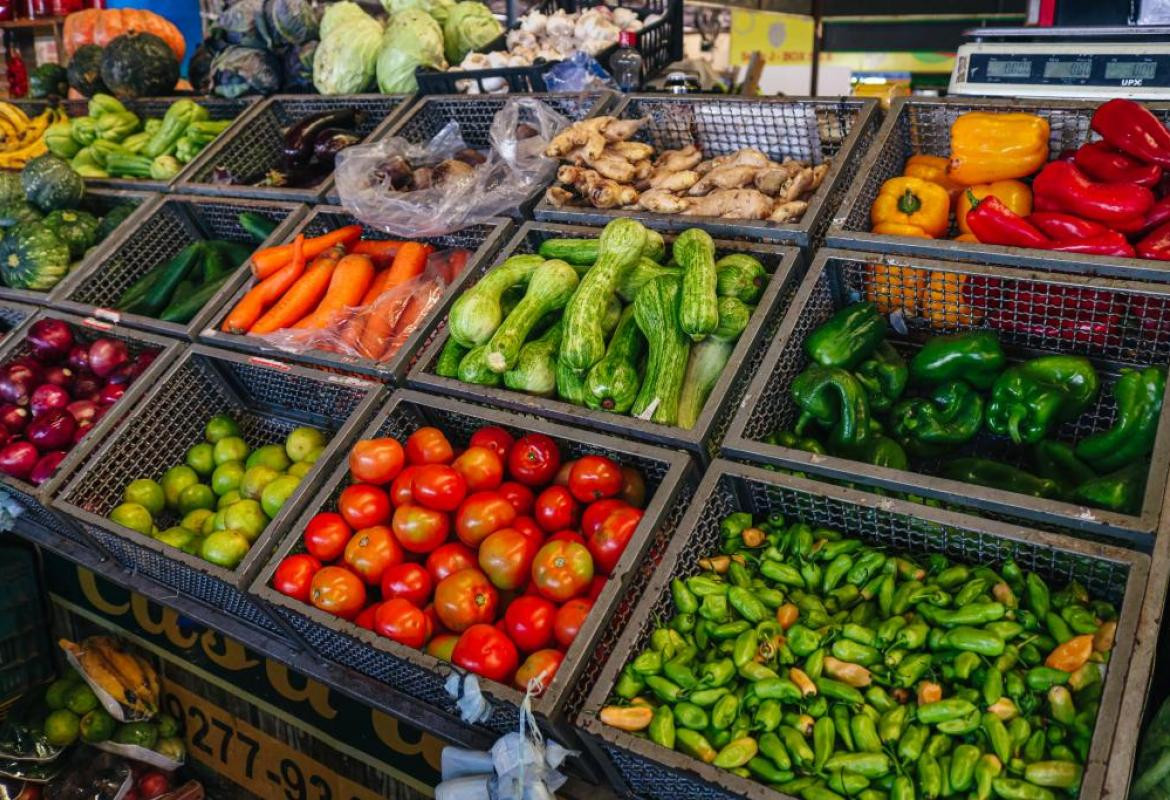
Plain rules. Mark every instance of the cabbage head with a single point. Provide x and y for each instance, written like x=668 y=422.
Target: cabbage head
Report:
x=345 y=59
x=469 y=26
x=290 y=21
x=240 y=70
x=298 y=67
x=438 y=9
x=239 y=23
x=339 y=15
x=412 y=39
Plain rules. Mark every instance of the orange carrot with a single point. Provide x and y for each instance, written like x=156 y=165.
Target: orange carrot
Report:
x=299 y=300
x=266 y=292
x=410 y=262
x=377 y=286
x=270 y=259
x=382 y=251
x=348 y=284
x=380 y=322
x=419 y=304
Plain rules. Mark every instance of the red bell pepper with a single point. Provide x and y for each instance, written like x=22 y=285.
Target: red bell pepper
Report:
x=1130 y=226
x=1109 y=243
x=1159 y=212
x=1051 y=311
x=1102 y=163
x=1133 y=128
x=992 y=222
x=1064 y=227
x=1156 y=244
x=1064 y=185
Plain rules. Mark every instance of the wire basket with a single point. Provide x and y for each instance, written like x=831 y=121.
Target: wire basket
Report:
x=669 y=483
x=917 y=126
x=484 y=240
x=651 y=771
x=1134 y=330
x=267 y=400
x=807 y=129
x=256 y=145
x=13 y=315
x=157 y=235
x=704 y=438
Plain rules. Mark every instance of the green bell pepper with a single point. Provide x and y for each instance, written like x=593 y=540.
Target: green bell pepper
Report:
x=984 y=472
x=1120 y=491
x=883 y=376
x=1059 y=461
x=880 y=451
x=847 y=338
x=834 y=399
x=952 y=413
x=1029 y=400
x=1138 y=394
x=791 y=440
x=973 y=356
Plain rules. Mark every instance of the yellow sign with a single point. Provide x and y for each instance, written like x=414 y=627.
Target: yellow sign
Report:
x=921 y=61
x=781 y=39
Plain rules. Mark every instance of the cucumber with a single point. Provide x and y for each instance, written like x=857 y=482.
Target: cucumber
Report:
x=733 y=318
x=705 y=365
x=473 y=368
x=549 y=289
x=447 y=364
x=536 y=368
x=612 y=316
x=583 y=252
x=698 y=310
x=655 y=311
x=613 y=382
x=187 y=305
x=258 y=226
x=570 y=382
x=477 y=312
x=636 y=277
x=740 y=275
x=158 y=294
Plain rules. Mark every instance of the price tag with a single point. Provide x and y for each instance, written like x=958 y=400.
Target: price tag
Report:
x=108 y=314
x=269 y=363
x=97 y=324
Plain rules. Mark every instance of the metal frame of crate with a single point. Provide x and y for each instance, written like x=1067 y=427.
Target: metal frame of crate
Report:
x=916 y=126
x=652 y=771
x=784 y=264
x=267 y=399
x=484 y=239
x=159 y=234
x=808 y=129
x=967 y=296
x=14 y=315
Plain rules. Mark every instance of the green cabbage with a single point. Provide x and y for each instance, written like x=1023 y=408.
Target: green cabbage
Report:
x=338 y=15
x=412 y=39
x=345 y=60
x=438 y=9
x=469 y=26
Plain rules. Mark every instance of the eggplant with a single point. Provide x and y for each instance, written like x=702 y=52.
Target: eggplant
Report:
x=296 y=177
x=300 y=138
x=332 y=141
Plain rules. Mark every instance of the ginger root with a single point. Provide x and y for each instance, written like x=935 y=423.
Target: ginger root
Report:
x=632 y=151
x=661 y=201
x=747 y=157
x=677 y=160
x=791 y=211
x=730 y=177
x=585 y=135
x=673 y=181
x=558 y=197
x=731 y=204
x=601 y=192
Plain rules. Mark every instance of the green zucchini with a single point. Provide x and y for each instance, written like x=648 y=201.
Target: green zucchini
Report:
x=655 y=310
x=235 y=252
x=186 y=305
x=705 y=365
x=447 y=365
x=612 y=316
x=473 y=368
x=159 y=294
x=740 y=275
x=536 y=368
x=510 y=299
x=570 y=382
x=258 y=226
x=613 y=382
x=137 y=290
x=655 y=246
x=549 y=288
x=698 y=309
x=477 y=313
x=583 y=252
x=733 y=318
x=636 y=277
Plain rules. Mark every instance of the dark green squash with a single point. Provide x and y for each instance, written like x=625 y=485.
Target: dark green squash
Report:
x=85 y=70
x=11 y=190
x=16 y=212
x=32 y=257
x=48 y=80
x=139 y=65
x=113 y=218
x=50 y=183
x=77 y=229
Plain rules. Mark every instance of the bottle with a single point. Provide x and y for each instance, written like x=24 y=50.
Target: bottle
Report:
x=626 y=63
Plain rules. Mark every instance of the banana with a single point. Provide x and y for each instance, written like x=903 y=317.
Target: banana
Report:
x=129 y=666
x=15 y=159
x=36 y=127
x=117 y=672
x=9 y=136
x=152 y=681
x=14 y=114
x=101 y=672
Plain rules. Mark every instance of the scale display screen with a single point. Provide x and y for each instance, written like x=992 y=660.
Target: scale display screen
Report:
x=1009 y=69
x=1070 y=69
x=1130 y=70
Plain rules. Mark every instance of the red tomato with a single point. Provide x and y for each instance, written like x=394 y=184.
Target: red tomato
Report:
x=441 y=645
x=595 y=477
x=633 y=487
x=562 y=478
x=370 y=551
x=595 y=514
x=595 y=588
x=420 y=530
x=363 y=505
x=541 y=666
x=562 y=570
x=556 y=509
x=506 y=558
x=608 y=543
x=519 y=495
x=449 y=558
x=528 y=620
x=294 y=575
x=400 y=489
x=326 y=536
x=366 y=618
x=495 y=438
x=428 y=446
x=485 y=651
x=528 y=527
x=152 y=784
x=409 y=581
x=534 y=459
x=464 y=599
x=436 y=625
x=569 y=619
x=567 y=536
x=404 y=622
x=338 y=591
x=438 y=487
x=376 y=460
x=481 y=467
x=481 y=514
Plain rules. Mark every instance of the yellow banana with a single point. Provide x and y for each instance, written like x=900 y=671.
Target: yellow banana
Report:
x=15 y=159
x=14 y=113
x=101 y=673
x=153 y=684
x=129 y=667
x=36 y=127
x=9 y=136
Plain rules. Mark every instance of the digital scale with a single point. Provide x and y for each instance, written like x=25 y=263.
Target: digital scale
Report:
x=1064 y=62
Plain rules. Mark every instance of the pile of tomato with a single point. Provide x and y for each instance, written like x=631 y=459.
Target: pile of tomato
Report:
x=490 y=557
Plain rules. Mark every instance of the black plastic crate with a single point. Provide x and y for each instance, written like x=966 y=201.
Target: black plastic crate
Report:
x=13 y=315
x=254 y=146
x=267 y=400
x=25 y=652
x=806 y=129
x=837 y=278
x=484 y=240
x=916 y=126
x=704 y=439
x=652 y=771
x=670 y=481
x=158 y=234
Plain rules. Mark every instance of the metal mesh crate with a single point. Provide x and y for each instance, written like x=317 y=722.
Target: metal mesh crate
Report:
x=25 y=659
x=157 y=235
x=669 y=483
x=13 y=315
x=484 y=240
x=807 y=129
x=1112 y=574
x=916 y=126
x=782 y=262
x=1031 y=313
x=267 y=400
x=255 y=145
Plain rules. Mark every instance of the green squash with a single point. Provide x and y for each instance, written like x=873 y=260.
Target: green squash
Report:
x=11 y=190
x=78 y=229
x=32 y=257
x=85 y=70
x=48 y=80
x=113 y=218
x=50 y=183
x=16 y=212
x=139 y=65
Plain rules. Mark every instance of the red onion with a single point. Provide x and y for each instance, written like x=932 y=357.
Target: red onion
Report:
x=106 y=355
x=78 y=357
x=60 y=376
x=52 y=430
x=50 y=339
x=111 y=393
x=16 y=382
x=83 y=410
x=18 y=459
x=125 y=374
x=46 y=465
x=4 y=437
x=47 y=397
x=86 y=386
x=83 y=427
x=27 y=361
x=13 y=418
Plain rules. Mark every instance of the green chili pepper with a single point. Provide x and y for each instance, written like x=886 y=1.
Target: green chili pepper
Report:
x=736 y=753
x=1020 y=730
x=767 y=772
x=891 y=724
x=702 y=585
x=1060 y=703
x=885 y=595
x=684 y=599
x=970 y=614
x=771 y=746
x=1033 y=749
x=1138 y=395
x=840 y=715
x=961 y=726
x=802 y=640
x=817 y=707
x=683 y=623
x=819 y=792
x=847 y=783
x=755 y=671
x=1057 y=627
x=1060 y=752
x=835 y=573
x=912 y=742
x=913 y=636
x=938 y=746
x=776 y=688
x=998 y=736
x=785 y=574
x=835 y=690
x=694 y=744
x=707 y=697
x=814 y=664
x=666 y=691
x=679 y=671
x=1079 y=619
x=1057 y=774
x=747 y=604
x=886 y=632
x=661 y=729
x=964 y=664
x=944 y=710
x=810 y=573
x=745 y=648
x=865 y=567
x=767 y=715
x=724 y=712
x=728 y=630
x=714 y=607
x=987 y=770
x=689 y=715
x=855 y=653
x=796 y=746
x=864 y=732
x=1005 y=629
x=974 y=640
x=971 y=591
x=1015 y=789
x=648 y=662
x=662 y=643
x=629 y=684
x=772 y=598
x=868 y=765
x=877 y=697
x=1041 y=679
x=929 y=777
x=912 y=669
x=716 y=673
x=997 y=475
x=1121 y=491
x=824 y=739
x=902 y=788
x=735 y=524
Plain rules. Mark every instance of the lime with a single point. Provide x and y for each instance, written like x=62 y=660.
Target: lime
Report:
x=193 y=546
x=175 y=480
x=312 y=456
x=276 y=493
x=62 y=727
x=246 y=517
x=219 y=427
x=145 y=493
x=227 y=477
x=97 y=726
x=194 y=520
x=143 y=734
x=209 y=525
x=195 y=497
x=172 y=747
x=270 y=455
x=199 y=458
x=225 y=548
x=167 y=726
x=255 y=480
x=303 y=441
x=133 y=516
x=233 y=448
x=300 y=469
x=217 y=523
x=81 y=700
x=58 y=692
x=231 y=497
x=176 y=537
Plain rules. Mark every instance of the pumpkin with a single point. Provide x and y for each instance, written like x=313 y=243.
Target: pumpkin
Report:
x=100 y=27
x=85 y=71
x=32 y=257
x=77 y=229
x=78 y=29
x=51 y=184
x=139 y=65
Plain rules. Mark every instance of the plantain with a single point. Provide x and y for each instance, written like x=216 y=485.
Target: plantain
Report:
x=101 y=673
x=154 y=687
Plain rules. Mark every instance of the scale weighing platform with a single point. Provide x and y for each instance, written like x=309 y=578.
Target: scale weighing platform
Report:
x=1064 y=62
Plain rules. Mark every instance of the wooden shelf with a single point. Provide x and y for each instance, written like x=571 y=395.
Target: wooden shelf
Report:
x=43 y=22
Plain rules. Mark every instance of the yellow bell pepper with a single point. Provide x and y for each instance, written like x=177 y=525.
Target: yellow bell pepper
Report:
x=966 y=237
x=988 y=147
x=943 y=303
x=933 y=169
x=891 y=288
x=914 y=202
x=1013 y=194
x=898 y=229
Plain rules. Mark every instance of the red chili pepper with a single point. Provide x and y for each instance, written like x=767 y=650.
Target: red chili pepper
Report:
x=1109 y=243
x=1156 y=243
x=1071 y=190
x=992 y=222
x=1102 y=163
x=1063 y=227
x=1159 y=212
x=1092 y=316
x=1133 y=128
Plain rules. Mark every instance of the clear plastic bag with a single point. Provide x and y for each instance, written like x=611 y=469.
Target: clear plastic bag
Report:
x=515 y=168
x=579 y=72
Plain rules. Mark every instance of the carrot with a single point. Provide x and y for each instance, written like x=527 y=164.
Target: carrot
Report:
x=1071 y=655
x=418 y=305
x=300 y=299
x=380 y=322
x=382 y=251
x=270 y=259
x=348 y=284
x=409 y=263
x=266 y=292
